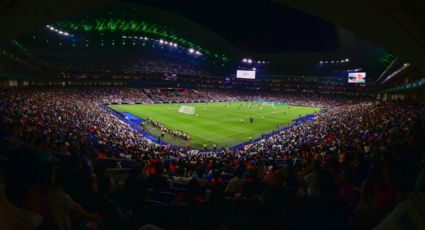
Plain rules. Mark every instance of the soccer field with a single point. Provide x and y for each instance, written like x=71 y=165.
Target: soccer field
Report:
x=222 y=123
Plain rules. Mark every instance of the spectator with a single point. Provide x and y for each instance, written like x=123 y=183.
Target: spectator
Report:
x=27 y=177
x=235 y=185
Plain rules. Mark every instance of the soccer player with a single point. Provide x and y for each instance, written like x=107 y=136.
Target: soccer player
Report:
x=251 y=119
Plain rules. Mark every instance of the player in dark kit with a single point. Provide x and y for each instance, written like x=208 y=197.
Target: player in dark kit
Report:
x=251 y=119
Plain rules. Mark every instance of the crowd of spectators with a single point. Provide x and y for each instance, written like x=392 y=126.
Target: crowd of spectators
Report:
x=107 y=63
x=174 y=96
x=348 y=168
x=294 y=98
x=70 y=119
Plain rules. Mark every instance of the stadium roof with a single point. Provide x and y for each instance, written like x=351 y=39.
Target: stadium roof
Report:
x=292 y=41
x=256 y=27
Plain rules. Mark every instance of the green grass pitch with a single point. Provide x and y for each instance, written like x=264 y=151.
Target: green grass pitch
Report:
x=216 y=123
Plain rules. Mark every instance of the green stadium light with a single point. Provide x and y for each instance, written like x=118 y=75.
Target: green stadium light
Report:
x=123 y=24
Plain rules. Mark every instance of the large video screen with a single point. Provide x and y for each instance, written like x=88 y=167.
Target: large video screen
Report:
x=245 y=74
x=357 y=77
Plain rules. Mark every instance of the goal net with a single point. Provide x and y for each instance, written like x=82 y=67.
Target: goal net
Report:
x=267 y=103
x=187 y=109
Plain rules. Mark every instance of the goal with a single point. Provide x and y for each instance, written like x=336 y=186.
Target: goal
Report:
x=264 y=103
x=187 y=109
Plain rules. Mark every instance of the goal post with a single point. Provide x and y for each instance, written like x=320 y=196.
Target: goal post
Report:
x=187 y=109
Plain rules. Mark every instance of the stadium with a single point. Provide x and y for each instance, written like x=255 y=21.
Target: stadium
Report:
x=154 y=114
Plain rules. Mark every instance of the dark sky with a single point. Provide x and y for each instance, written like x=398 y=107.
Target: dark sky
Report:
x=256 y=26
